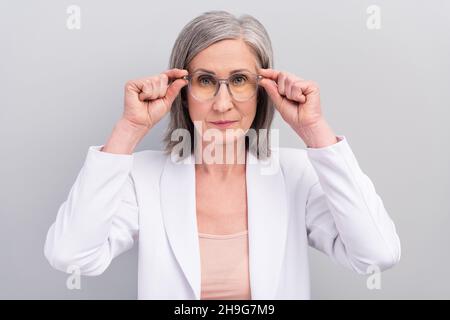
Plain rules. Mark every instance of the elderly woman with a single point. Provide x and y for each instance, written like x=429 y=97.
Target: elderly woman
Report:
x=210 y=228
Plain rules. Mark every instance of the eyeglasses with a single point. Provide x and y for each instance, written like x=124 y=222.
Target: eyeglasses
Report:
x=241 y=86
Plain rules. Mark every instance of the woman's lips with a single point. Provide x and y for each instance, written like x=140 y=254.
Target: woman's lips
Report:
x=223 y=124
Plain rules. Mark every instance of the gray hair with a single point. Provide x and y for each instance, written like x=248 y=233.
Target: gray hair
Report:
x=201 y=32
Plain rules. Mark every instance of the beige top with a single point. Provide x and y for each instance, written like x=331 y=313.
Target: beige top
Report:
x=224 y=266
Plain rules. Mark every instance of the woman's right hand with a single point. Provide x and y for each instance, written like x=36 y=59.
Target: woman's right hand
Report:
x=148 y=99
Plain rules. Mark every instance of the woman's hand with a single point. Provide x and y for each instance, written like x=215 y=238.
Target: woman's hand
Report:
x=147 y=100
x=298 y=102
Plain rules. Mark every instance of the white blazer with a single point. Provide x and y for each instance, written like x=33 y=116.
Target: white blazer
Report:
x=315 y=196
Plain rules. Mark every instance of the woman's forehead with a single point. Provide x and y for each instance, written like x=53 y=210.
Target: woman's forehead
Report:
x=224 y=58
x=224 y=68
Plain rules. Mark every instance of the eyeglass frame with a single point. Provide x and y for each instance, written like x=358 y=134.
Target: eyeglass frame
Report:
x=226 y=81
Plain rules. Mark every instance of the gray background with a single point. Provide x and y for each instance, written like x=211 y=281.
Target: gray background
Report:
x=386 y=90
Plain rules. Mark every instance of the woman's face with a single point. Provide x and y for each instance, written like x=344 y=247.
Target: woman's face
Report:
x=222 y=58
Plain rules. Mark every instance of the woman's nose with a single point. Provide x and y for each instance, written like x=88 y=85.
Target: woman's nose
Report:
x=222 y=100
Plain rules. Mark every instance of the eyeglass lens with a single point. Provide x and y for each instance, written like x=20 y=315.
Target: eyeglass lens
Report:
x=242 y=86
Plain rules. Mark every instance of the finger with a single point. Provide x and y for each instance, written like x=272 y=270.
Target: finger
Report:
x=173 y=90
x=310 y=90
x=272 y=90
x=291 y=86
x=282 y=83
x=163 y=85
x=175 y=73
x=155 y=86
x=269 y=73
x=150 y=90
x=146 y=90
x=288 y=88
x=297 y=93
x=133 y=88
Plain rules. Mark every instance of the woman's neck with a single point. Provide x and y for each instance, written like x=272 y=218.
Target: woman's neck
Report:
x=221 y=161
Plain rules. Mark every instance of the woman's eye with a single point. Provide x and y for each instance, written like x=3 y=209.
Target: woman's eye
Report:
x=239 y=80
x=205 y=80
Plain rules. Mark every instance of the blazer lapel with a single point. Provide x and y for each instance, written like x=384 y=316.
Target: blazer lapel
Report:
x=178 y=206
x=267 y=221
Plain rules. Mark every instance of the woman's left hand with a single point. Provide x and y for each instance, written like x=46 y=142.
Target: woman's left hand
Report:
x=298 y=102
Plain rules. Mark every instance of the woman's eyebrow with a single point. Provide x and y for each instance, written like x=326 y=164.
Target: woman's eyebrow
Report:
x=212 y=72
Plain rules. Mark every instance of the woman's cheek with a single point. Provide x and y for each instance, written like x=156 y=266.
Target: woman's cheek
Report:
x=197 y=111
x=249 y=114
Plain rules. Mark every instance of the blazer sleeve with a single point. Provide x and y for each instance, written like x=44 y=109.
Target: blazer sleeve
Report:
x=99 y=219
x=345 y=217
